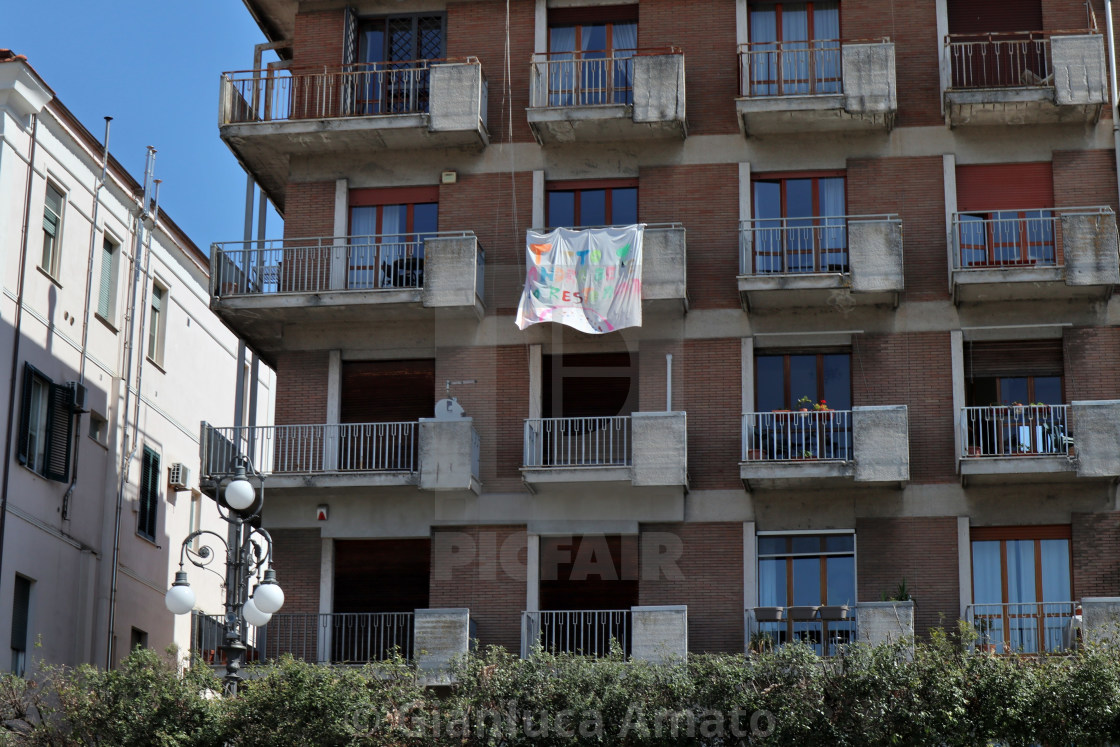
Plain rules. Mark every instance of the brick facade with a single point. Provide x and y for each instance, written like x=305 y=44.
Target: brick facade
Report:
x=1096 y=554
x=301 y=387
x=711 y=372
x=921 y=550
x=1091 y=356
x=297 y=554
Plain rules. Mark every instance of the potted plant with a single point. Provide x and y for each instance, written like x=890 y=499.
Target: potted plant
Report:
x=754 y=455
x=760 y=642
x=804 y=612
x=768 y=614
x=804 y=403
x=1017 y=409
x=834 y=611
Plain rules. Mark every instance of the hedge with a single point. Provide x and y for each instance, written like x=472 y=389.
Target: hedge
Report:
x=937 y=693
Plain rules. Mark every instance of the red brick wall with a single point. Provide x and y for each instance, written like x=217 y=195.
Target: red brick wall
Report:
x=706 y=200
x=317 y=40
x=651 y=375
x=301 y=387
x=710 y=66
x=913 y=29
x=1096 y=554
x=477 y=29
x=922 y=550
x=915 y=189
x=309 y=210
x=711 y=374
x=711 y=583
x=297 y=554
x=1091 y=356
x=1085 y=178
x=488 y=583
x=485 y=204
x=912 y=369
x=499 y=403
x=1070 y=14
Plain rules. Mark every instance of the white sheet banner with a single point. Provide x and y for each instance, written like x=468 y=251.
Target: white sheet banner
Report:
x=589 y=279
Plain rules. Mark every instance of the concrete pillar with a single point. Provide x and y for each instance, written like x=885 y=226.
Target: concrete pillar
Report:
x=659 y=634
x=438 y=637
x=326 y=596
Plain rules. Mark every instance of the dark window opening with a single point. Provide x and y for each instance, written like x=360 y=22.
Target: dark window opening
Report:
x=392 y=74
x=608 y=203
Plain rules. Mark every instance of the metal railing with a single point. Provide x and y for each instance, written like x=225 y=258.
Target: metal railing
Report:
x=583 y=632
x=580 y=79
x=1023 y=627
x=354 y=90
x=1015 y=430
x=208 y=635
x=791 y=68
x=329 y=263
x=577 y=442
x=1012 y=238
x=798 y=435
x=824 y=636
x=789 y=246
x=1016 y=59
x=305 y=449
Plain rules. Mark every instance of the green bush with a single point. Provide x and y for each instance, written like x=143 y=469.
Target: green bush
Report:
x=936 y=693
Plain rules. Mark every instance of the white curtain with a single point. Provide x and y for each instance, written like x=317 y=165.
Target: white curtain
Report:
x=763 y=61
x=362 y=271
x=795 y=51
x=561 y=68
x=772 y=582
x=986 y=573
x=826 y=50
x=625 y=42
x=834 y=255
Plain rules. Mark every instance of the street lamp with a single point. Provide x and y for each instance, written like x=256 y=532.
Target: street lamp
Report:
x=248 y=558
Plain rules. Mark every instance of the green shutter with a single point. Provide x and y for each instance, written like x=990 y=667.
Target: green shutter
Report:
x=60 y=425
x=149 y=494
x=25 y=415
x=105 y=290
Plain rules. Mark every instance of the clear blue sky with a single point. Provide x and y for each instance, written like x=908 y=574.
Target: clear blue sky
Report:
x=153 y=66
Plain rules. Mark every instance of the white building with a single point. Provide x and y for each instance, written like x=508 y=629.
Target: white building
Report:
x=84 y=381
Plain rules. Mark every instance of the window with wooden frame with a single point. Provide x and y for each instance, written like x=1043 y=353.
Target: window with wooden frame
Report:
x=799 y=223
x=803 y=403
x=53 y=204
x=1014 y=398
x=388 y=228
x=46 y=425
x=392 y=72
x=794 y=49
x=148 y=514
x=157 y=323
x=1022 y=588
x=1005 y=215
x=600 y=202
x=803 y=572
x=590 y=55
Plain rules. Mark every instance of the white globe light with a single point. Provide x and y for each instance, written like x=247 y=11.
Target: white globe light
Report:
x=240 y=495
x=180 y=597
x=269 y=597
x=254 y=616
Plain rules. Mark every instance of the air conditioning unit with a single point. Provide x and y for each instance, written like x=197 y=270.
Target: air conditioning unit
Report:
x=77 y=396
x=180 y=476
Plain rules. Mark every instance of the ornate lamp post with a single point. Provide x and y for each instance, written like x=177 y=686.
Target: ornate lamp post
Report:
x=248 y=558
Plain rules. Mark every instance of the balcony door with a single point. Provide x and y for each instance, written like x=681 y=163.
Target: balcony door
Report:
x=393 y=58
x=802 y=406
x=794 y=49
x=380 y=404
x=799 y=224
x=1005 y=216
x=388 y=229
x=590 y=55
x=1022 y=591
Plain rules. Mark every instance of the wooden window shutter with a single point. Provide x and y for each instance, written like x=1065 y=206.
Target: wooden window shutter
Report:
x=972 y=17
x=1005 y=186
x=60 y=424
x=149 y=494
x=25 y=416
x=991 y=359
x=105 y=284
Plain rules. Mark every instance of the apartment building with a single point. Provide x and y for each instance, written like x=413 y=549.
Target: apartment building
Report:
x=111 y=360
x=878 y=346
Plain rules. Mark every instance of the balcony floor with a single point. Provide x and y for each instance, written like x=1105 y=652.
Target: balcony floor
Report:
x=809 y=474
x=802 y=290
x=597 y=124
x=777 y=115
x=1013 y=106
x=1017 y=469
x=981 y=284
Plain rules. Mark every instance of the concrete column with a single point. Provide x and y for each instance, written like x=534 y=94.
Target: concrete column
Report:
x=956 y=348
x=884 y=622
x=742 y=29
x=334 y=403
x=941 y=8
x=326 y=595
x=659 y=634
x=536 y=376
x=538 y=195
x=339 y=260
x=1100 y=619
x=949 y=176
x=540 y=28
x=964 y=562
x=438 y=637
x=750 y=574
x=532 y=573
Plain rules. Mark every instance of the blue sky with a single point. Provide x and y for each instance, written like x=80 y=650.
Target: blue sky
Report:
x=154 y=66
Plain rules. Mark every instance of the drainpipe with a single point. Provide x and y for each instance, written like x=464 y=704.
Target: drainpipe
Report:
x=16 y=333
x=1113 y=86
x=85 y=316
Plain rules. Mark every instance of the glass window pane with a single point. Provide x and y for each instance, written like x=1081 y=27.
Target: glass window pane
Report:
x=372 y=46
x=594 y=38
x=1013 y=389
x=1020 y=571
x=770 y=383
x=806 y=581
x=561 y=209
x=768 y=545
x=799 y=198
x=802 y=379
x=1055 y=570
x=624 y=206
x=804 y=543
x=839 y=542
x=1048 y=390
x=593 y=207
x=772 y=582
x=841 y=580
x=838 y=381
x=425 y=217
x=986 y=573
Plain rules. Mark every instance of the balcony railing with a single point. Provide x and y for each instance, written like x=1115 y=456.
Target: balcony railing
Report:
x=341 y=638
x=309 y=449
x=1012 y=238
x=1018 y=59
x=790 y=68
x=577 y=442
x=1015 y=430
x=583 y=632
x=790 y=246
x=332 y=263
x=355 y=90
x=1023 y=627
x=800 y=435
x=583 y=78
x=803 y=625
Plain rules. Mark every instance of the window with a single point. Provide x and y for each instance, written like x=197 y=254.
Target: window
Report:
x=98 y=428
x=1021 y=587
x=52 y=229
x=803 y=405
x=149 y=495
x=21 y=615
x=392 y=68
x=611 y=202
x=799 y=224
x=388 y=231
x=794 y=49
x=157 y=324
x=46 y=419
x=807 y=571
x=107 y=283
x=137 y=639
x=590 y=59
x=1005 y=216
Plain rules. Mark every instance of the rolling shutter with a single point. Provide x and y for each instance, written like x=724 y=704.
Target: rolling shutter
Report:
x=60 y=423
x=972 y=17
x=390 y=575
x=387 y=391
x=1014 y=358
x=1005 y=186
